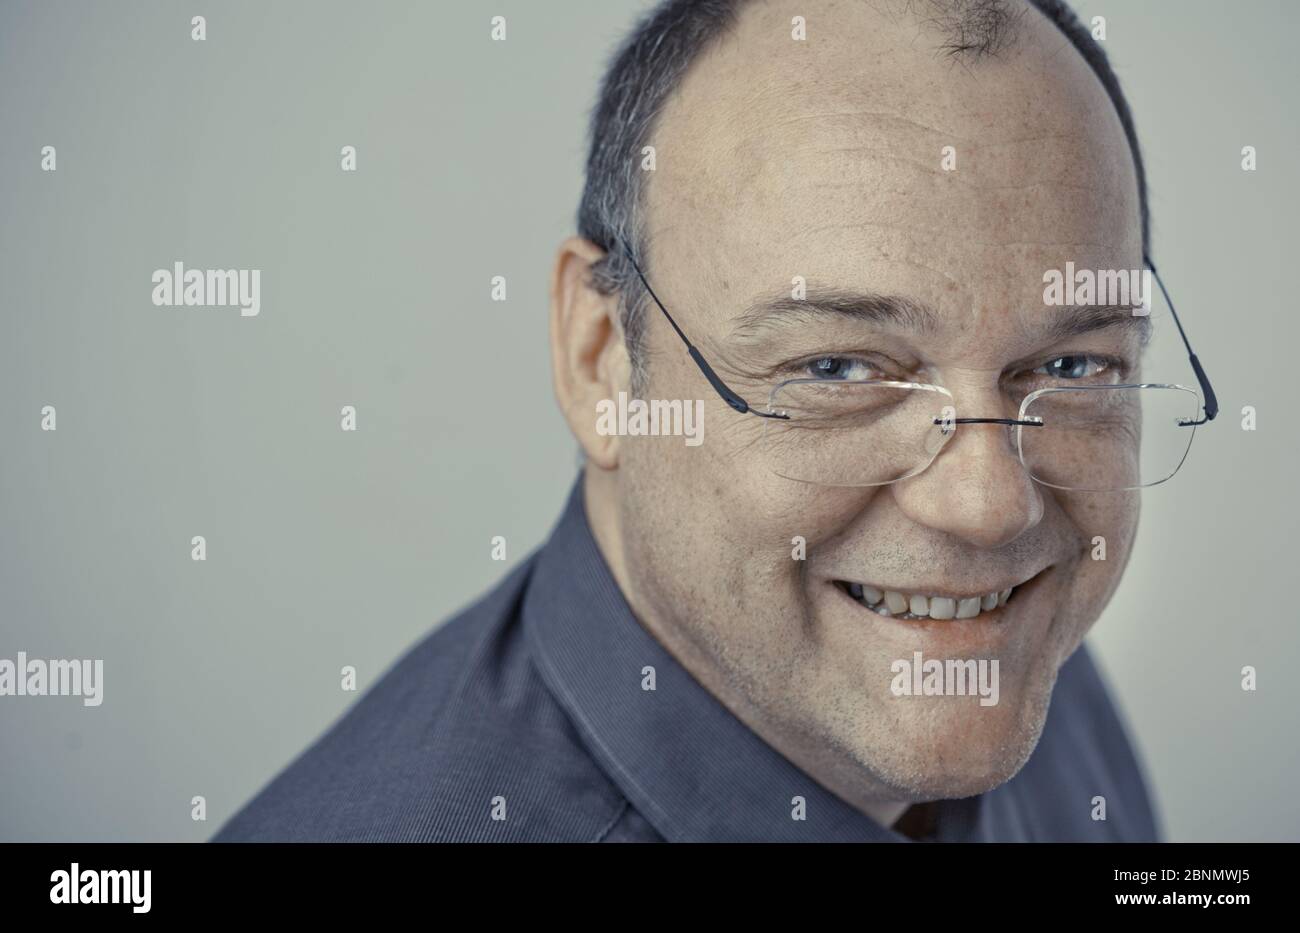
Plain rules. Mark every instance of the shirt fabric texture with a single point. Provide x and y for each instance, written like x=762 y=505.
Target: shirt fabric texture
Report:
x=529 y=705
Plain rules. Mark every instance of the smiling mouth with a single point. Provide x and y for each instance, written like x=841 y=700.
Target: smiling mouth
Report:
x=917 y=606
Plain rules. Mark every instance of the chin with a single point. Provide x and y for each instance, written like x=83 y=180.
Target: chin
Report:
x=948 y=747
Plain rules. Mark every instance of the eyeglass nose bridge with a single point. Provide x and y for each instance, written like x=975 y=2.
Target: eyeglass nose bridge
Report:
x=948 y=425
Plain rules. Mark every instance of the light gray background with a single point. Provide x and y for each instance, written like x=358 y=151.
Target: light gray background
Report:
x=326 y=548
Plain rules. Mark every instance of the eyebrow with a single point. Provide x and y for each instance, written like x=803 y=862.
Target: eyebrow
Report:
x=890 y=311
x=895 y=312
x=1074 y=321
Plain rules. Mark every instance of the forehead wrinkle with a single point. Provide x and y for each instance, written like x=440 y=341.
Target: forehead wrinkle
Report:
x=881 y=248
x=946 y=232
x=1048 y=174
x=848 y=156
x=883 y=116
x=924 y=171
x=917 y=233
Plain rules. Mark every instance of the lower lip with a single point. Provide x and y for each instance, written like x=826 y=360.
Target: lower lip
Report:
x=987 y=619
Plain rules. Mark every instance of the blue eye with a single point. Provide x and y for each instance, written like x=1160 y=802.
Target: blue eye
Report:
x=1073 y=366
x=828 y=367
x=841 y=368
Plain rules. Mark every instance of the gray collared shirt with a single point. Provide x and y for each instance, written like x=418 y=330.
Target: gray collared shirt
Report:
x=524 y=718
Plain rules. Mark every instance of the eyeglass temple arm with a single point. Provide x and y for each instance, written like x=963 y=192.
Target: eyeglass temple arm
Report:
x=728 y=396
x=740 y=405
x=1211 y=402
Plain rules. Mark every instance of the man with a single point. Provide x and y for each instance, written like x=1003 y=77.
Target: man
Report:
x=848 y=210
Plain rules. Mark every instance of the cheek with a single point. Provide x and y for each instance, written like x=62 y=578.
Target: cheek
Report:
x=1110 y=516
x=1104 y=525
x=729 y=512
x=816 y=514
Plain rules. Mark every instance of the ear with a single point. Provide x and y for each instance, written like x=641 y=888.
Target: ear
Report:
x=589 y=360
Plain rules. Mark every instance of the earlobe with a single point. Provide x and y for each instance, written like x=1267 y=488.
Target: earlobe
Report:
x=588 y=359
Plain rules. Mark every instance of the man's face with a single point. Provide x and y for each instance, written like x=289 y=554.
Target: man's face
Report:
x=823 y=159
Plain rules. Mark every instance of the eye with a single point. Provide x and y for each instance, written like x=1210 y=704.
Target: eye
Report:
x=841 y=368
x=1074 y=366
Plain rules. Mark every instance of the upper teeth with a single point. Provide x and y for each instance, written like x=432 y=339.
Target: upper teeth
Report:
x=915 y=606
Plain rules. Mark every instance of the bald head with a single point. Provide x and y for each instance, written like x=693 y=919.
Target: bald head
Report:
x=843 y=43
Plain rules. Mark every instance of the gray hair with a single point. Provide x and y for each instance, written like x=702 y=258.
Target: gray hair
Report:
x=651 y=63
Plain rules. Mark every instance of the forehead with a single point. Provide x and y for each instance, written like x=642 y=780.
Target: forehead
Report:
x=825 y=159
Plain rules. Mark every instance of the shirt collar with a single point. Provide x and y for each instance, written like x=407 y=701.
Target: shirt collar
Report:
x=685 y=762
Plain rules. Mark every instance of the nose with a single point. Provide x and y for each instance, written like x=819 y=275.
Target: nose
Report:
x=976 y=489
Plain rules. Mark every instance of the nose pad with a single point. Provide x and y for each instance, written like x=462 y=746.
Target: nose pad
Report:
x=941 y=432
x=945 y=428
